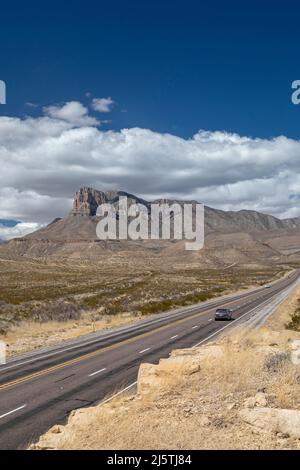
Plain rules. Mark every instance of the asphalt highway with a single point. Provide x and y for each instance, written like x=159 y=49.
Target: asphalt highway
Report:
x=40 y=389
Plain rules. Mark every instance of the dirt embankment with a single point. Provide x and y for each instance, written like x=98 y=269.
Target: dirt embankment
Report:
x=240 y=392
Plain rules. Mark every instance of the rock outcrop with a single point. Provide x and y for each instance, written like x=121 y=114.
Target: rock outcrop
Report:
x=86 y=201
x=277 y=420
x=231 y=238
x=156 y=379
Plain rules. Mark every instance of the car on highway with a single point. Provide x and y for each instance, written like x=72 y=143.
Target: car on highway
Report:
x=223 y=314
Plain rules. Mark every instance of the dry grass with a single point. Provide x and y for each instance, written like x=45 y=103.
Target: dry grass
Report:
x=30 y=335
x=294 y=321
x=199 y=412
x=283 y=315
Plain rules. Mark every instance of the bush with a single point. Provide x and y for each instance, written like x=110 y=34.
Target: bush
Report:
x=275 y=362
x=57 y=311
x=168 y=304
x=294 y=323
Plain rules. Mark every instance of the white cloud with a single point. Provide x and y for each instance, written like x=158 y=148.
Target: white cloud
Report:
x=102 y=105
x=73 y=112
x=20 y=230
x=31 y=105
x=46 y=159
x=29 y=205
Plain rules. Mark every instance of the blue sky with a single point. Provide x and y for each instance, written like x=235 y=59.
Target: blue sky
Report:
x=171 y=66
x=182 y=99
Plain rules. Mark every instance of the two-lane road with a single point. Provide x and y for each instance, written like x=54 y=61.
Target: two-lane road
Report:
x=40 y=389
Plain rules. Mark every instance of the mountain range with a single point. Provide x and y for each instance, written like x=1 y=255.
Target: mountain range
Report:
x=245 y=237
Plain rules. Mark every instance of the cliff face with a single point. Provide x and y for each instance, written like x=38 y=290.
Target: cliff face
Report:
x=230 y=237
x=86 y=201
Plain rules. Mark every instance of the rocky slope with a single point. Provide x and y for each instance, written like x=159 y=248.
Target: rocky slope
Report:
x=87 y=200
x=230 y=237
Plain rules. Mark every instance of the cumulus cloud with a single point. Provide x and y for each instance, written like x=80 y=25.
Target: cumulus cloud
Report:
x=29 y=205
x=73 y=112
x=20 y=230
x=102 y=105
x=46 y=159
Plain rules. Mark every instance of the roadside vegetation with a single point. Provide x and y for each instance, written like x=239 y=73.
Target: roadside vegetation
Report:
x=76 y=295
x=294 y=323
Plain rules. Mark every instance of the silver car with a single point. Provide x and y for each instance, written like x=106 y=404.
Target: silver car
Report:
x=223 y=314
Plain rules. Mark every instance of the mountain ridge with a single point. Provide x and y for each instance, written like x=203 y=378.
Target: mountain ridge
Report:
x=242 y=237
x=80 y=223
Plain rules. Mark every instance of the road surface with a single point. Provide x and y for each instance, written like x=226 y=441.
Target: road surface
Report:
x=40 y=389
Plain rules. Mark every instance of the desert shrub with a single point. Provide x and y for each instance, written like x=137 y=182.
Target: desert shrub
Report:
x=93 y=301
x=6 y=317
x=294 y=323
x=4 y=327
x=153 y=307
x=275 y=362
x=162 y=306
x=57 y=311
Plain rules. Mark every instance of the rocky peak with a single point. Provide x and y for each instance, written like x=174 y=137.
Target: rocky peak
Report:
x=86 y=201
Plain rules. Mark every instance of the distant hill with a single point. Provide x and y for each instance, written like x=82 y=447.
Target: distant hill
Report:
x=244 y=237
x=80 y=224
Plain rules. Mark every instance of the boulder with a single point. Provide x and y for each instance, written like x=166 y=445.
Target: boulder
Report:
x=249 y=402
x=204 y=421
x=283 y=421
x=212 y=351
x=260 y=399
x=295 y=357
x=295 y=354
x=148 y=380
x=56 y=429
x=156 y=379
x=295 y=344
x=179 y=365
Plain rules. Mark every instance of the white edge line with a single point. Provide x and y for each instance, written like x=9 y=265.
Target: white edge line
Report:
x=119 y=393
x=230 y=324
x=12 y=411
x=97 y=372
x=175 y=336
x=144 y=350
x=193 y=328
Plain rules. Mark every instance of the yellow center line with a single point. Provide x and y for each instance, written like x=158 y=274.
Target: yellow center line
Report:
x=84 y=357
